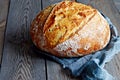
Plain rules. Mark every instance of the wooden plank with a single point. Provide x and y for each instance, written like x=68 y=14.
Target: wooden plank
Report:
x=114 y=67
x=3 y=15
x=55 y=72
x=117 y=4
x=19 y=62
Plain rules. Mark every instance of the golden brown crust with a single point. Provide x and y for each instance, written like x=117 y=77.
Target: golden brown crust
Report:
x=36 y=29
x=94 y=36
x=64 y=20
x=70 y=29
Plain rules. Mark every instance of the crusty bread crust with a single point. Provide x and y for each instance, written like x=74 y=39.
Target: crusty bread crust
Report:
x=36 y=29
x=65 y=19
x=70 y=29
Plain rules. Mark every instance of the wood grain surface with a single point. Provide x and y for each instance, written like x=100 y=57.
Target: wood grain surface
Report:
x=19 y=62
x=117 y=4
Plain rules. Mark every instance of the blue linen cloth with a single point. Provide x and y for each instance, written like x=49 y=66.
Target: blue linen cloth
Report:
x=90 y=67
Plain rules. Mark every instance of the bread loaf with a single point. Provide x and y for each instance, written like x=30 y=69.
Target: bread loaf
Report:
x=70 y=29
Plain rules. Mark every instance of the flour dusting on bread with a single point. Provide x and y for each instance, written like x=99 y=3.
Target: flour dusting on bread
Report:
x=70 y=29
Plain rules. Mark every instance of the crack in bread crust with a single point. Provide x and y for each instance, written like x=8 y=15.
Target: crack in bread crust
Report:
x=70 y=29
x=94 y=36
x=36 y=29
x=64 y=20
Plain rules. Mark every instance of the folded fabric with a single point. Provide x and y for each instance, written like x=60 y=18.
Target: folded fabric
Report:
x=90 y=67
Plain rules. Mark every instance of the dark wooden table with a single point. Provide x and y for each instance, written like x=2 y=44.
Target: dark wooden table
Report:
x=19 y=62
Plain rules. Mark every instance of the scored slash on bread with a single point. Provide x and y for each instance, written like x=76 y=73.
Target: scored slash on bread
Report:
x=65 y=19
x=70 y=29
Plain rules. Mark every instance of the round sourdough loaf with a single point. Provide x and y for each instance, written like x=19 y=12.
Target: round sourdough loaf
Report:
x=70 y=29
